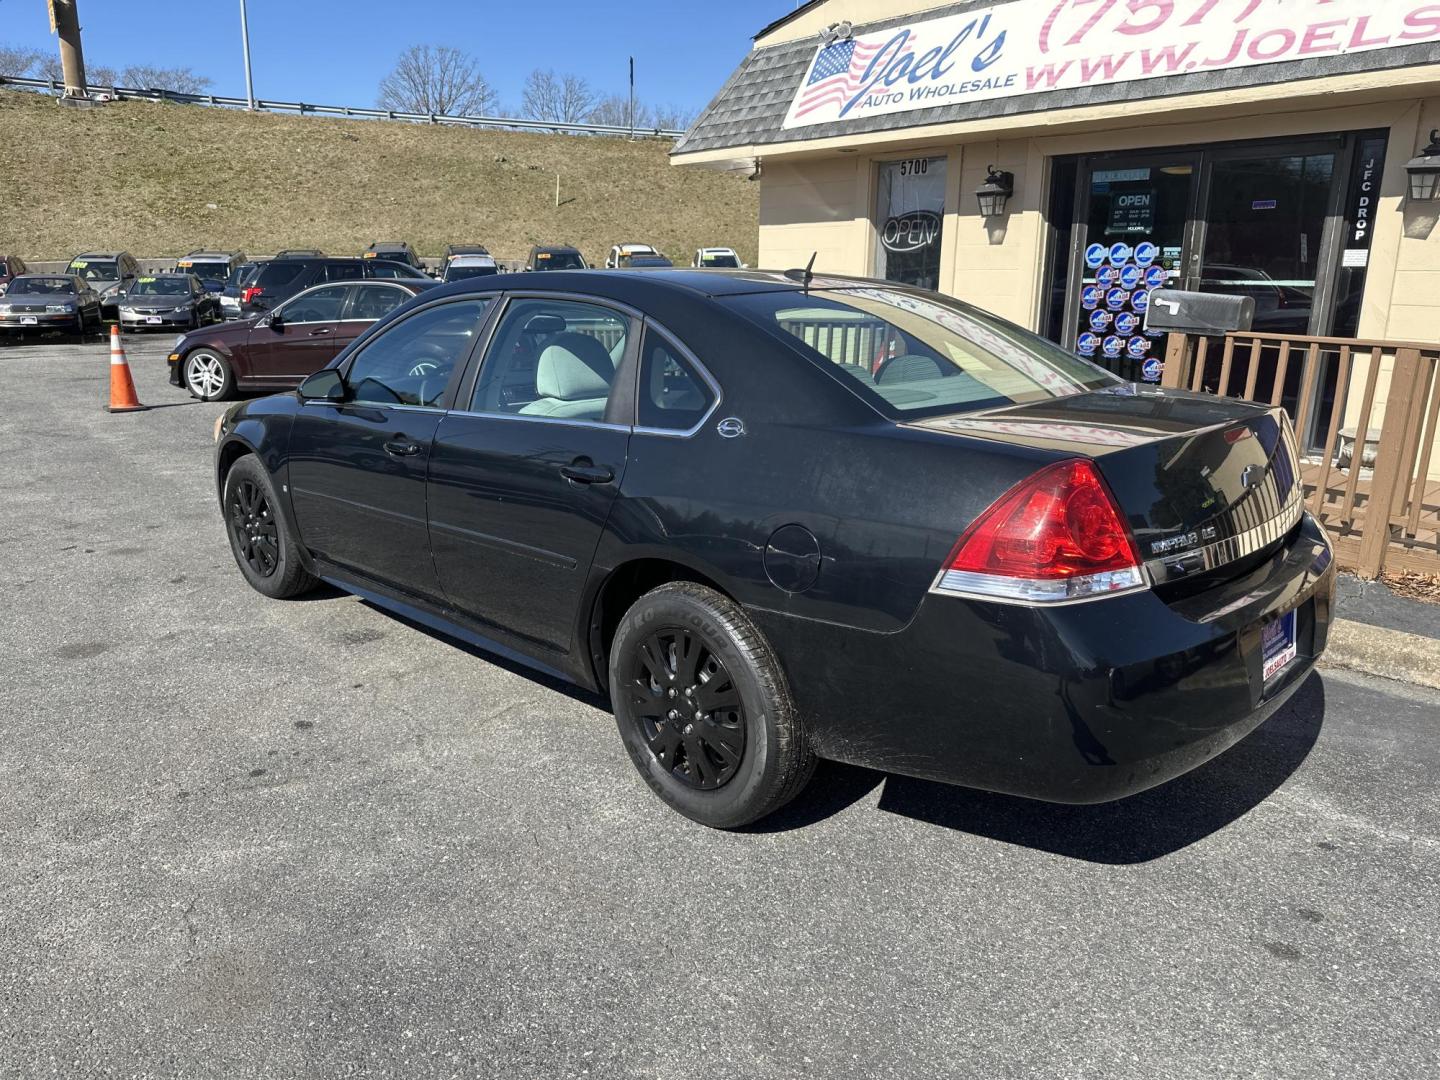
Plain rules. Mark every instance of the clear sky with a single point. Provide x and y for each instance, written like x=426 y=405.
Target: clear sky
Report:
x=334 y=52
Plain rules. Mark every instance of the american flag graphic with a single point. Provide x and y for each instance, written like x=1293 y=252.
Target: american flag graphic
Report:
x=837 y=73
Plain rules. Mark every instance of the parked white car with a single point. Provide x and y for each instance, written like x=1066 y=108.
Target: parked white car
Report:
x=717 y=258
x=620 y=254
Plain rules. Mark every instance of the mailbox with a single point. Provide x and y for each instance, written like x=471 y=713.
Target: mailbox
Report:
x=1179 y=312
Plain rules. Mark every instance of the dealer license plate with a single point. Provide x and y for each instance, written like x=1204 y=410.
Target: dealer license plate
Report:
x=1277 y=645
x=28 y=320
x=152 y=320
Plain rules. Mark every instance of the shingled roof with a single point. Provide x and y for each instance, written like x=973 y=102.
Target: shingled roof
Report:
x=751 y=106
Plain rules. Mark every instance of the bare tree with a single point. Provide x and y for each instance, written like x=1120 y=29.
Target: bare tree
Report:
x=565 y=99
x=436 y=79
x=95 y=74
x=181 y=80
x=19 y=62
x=616 y=110
x=672 y=117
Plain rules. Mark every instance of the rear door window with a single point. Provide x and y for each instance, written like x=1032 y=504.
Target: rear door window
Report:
x=346 y=271
x=277 y=275
x=552 y=358
x=372 y=301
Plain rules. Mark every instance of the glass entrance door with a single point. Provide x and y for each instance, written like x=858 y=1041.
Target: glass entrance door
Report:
x=1136 y=214
x=1265 y=220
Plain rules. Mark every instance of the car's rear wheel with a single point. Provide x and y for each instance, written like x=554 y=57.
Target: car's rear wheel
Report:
x=208 y=376
x=259 y=537
x=703 y=708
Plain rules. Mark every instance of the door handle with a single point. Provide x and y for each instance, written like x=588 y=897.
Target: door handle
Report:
x=402 y=447
x=582 y=471
x=321 y=330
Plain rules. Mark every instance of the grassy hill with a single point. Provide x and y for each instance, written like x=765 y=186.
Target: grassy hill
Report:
x=161 y=180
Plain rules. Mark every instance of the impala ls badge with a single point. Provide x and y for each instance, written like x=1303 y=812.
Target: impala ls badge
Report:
x=1251 y=475
x=732 y=427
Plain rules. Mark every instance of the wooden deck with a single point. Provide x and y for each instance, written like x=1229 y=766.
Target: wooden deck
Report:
x=1409 y=549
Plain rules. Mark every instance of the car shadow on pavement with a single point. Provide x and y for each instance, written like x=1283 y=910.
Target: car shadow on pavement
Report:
x=1143 y=827
x=1146 y=826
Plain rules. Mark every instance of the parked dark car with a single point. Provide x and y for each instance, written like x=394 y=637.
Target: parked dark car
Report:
x=109 y=273
x=469 y=266
x=11 y=266
x=213 y=268
x=281 y=278
x=555 y=257
x=394 y=250
x=168 y=302
x=49 y=302
x=452 y=250
x=642 y=262
x=778 y=519
x=280 y=348
x=241 y=276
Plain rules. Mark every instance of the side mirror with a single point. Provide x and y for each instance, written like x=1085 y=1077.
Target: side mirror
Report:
x=277 y=322
x=324 y=385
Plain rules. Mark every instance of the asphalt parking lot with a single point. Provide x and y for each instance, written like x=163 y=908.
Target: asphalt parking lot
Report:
x=246 y=837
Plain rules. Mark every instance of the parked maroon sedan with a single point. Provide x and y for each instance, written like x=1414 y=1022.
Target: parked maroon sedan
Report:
x=276 y=350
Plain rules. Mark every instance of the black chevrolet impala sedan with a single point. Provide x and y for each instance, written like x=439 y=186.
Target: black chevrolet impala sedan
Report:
x=778 y=518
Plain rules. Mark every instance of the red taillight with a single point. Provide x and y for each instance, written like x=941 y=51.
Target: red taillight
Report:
x=249 y=293
x=1057 y=535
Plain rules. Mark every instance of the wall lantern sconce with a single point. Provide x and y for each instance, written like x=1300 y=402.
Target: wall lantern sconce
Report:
x=1424 y=170
x=998 y=187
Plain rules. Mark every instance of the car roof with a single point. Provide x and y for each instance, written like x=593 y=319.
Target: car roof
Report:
x=100 y=255
x=388 y=244
x=167 y=273
x=473 y=259
x=556 y=247
x=634 y=283
x=718 y=250
x=212 y=255
x=28 y=277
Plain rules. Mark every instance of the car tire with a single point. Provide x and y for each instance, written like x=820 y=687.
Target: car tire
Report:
x=207 y=375
x=80 y=327
x=683 y=647
x=260 y=538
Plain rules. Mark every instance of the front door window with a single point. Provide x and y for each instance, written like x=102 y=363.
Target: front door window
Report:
x=910 y=212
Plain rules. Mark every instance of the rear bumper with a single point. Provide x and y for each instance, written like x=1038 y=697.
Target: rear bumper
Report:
x=1078 y=703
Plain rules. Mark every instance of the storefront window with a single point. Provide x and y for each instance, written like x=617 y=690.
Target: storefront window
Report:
x=910 y=212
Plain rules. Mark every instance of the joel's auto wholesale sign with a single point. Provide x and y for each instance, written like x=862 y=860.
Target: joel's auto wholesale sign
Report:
x=1034 y=46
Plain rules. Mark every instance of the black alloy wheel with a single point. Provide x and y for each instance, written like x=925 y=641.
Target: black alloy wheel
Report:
x=687 y=707
x=253 y=527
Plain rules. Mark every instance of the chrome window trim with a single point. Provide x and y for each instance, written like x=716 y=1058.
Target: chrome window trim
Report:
x=566 y=421
x=694 y=361
x=280 y=308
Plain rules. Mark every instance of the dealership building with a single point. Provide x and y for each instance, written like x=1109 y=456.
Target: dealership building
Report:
x=1054 y=161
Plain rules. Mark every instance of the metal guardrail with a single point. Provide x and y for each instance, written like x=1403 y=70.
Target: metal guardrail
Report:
x=515 y=123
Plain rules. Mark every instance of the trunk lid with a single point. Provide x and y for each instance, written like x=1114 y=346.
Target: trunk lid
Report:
x=1202 y=481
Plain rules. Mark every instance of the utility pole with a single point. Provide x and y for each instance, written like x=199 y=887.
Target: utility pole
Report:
x=245 y=44
x=65 y=24
x=632 y=97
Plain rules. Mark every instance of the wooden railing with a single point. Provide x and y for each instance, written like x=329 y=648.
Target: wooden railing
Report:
x=1373 y=487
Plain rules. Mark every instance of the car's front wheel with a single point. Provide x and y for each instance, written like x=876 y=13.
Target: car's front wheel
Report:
x=208 y=376
x=259 y=538
x=703 y=708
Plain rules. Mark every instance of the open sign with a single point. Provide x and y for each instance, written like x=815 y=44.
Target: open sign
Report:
x=911 y=232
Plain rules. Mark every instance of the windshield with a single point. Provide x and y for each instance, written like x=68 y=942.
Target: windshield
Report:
x=912 y=355
x=456 y=273
x=37 y=286
x=160 y=286
x=559 y=260
x=729 y=262
x=95 y=271
x=208 y=271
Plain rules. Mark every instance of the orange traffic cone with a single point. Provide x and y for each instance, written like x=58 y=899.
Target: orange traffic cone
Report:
x=122 y=386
